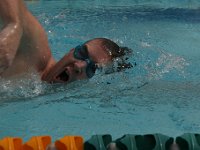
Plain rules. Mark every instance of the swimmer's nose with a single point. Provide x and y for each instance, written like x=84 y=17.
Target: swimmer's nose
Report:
x=80 y=67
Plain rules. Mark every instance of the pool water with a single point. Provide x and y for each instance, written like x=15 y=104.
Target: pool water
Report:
x=159 y=95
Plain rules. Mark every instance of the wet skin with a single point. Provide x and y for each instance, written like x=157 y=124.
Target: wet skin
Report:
x=24 y=47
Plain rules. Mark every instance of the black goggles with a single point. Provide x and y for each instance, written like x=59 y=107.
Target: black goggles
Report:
x=81 y=53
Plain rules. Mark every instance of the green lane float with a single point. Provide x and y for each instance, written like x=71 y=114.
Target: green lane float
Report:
x=144 y=142
x=98 y=142
x=187 y=141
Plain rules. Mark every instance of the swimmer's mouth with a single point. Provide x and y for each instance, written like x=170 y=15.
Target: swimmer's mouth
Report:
x=63 y=76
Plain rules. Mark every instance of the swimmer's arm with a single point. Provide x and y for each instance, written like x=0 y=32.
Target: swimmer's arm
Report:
x=11 y=33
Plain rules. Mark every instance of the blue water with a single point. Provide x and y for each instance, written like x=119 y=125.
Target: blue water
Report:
x=159 y=95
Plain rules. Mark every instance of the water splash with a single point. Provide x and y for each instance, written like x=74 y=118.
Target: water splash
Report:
x=168 y=62
x=156 y=64
x=21 y=88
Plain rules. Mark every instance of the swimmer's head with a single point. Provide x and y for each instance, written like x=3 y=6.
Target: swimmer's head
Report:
x=109 y=55
x=82 y=61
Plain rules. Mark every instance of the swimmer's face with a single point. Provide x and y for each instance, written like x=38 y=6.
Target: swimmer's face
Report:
x=80 y=63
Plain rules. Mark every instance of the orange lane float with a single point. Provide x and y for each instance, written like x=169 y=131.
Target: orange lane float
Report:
x=37 y=143
x=9 y=143
x=70 y=143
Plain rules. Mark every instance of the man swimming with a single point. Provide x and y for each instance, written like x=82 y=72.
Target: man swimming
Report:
x=24 y=47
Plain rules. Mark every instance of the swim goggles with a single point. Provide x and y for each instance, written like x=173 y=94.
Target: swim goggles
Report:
x=81 y=53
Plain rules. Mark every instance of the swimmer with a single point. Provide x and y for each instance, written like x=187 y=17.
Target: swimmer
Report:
x=24 y=47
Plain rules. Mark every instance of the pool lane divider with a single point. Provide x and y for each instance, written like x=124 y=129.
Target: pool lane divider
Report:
x=187 y=141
